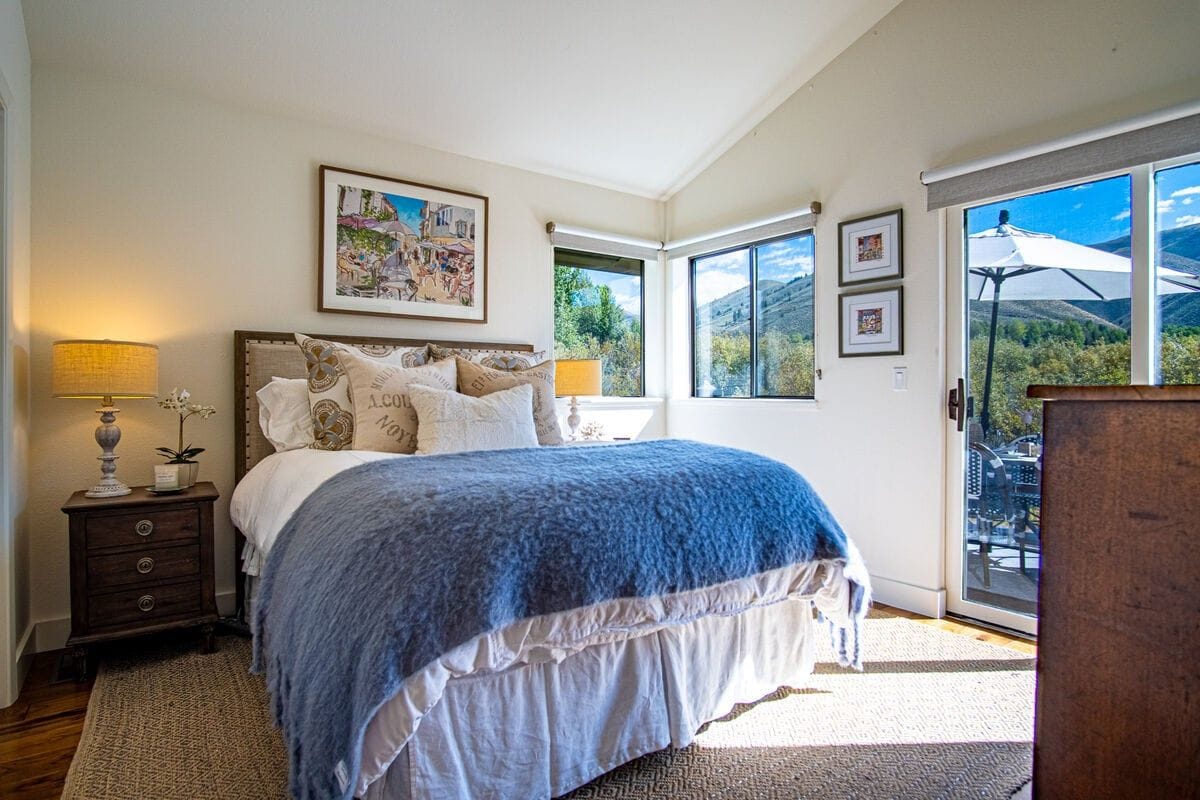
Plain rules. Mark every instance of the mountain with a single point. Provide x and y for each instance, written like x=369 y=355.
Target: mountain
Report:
x=786 y=307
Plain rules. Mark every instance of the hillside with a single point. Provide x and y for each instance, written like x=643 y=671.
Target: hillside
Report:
x=788 y=306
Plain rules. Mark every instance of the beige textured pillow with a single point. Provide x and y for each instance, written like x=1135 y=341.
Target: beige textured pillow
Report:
x=329 y=388
x=453 y=423
x=494 y=358
x=384 y=418
x=476 y=380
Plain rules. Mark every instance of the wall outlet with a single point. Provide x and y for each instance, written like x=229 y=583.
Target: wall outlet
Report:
x=899 y=379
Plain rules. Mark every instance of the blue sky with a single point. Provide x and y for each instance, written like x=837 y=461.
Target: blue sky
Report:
x=626 y=289
x=717 y=276
x=1095 y=212
x=408 y=209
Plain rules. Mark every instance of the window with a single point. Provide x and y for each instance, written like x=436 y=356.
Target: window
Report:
x=598 y=305
x=1177 y=255
x=752 y=320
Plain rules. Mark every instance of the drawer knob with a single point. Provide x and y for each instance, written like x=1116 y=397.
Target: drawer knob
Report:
x=145 y=565
x=146 y=602
x=144 y=527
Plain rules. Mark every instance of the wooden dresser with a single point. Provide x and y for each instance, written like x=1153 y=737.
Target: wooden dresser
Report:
x=1118 y=674
x=139 y=564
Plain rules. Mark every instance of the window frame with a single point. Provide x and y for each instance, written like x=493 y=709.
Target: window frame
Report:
x=641 y=313
x=752 y=247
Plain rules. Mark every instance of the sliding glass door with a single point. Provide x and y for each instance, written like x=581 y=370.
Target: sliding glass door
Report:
x=1094 y=283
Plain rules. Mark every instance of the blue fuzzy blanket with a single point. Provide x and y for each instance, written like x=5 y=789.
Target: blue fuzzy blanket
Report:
x=389 y=565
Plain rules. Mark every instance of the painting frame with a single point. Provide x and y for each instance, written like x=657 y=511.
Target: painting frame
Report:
x=871 y=249
x=871 y=308
x=434 y=268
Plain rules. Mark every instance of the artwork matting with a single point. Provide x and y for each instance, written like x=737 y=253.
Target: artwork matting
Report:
x=397 y=248
x=871 y=249
x=871 y=323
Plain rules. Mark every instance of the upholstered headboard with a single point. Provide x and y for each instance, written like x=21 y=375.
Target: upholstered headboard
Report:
x=260 y=356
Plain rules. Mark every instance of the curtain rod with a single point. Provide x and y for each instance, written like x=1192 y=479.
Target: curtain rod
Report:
x=812 y=208
x=570 y=230
x=1082 y=137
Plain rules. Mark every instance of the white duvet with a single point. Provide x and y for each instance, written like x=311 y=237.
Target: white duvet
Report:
x=272 y=491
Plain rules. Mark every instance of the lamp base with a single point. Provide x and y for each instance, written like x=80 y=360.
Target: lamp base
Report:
x=573 y=419
x=108 y=488
x=107 y=436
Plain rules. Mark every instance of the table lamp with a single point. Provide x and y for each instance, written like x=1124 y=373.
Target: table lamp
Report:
x=574 y=377
x=104 y=369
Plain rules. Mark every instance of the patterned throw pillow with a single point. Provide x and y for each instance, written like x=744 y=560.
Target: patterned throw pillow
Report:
x=476 y=380
x=384 y=417
x=329 y=388
x=496 y=359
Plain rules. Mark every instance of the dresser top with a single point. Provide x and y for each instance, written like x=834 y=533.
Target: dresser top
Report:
x=1181 y=393
x=203 y=490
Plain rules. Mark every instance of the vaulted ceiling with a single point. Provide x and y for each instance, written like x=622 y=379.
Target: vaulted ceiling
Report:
x=637 y=95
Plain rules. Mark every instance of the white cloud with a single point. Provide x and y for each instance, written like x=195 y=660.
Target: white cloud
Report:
x=1186 y=219
x=1077 y=206
x=1187 y=201
x=631 y=303
x=1121 y=216
x=1185 y=191
x=713 y=285
x=1165 y=205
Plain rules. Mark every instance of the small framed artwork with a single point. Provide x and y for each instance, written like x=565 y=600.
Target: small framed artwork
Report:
x=871 y=249
x=395 y=248
x=871 y=323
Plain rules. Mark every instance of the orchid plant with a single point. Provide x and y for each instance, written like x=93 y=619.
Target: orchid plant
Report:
x=177 y=401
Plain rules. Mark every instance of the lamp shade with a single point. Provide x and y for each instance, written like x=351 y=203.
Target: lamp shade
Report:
x=575 y=377
x=103 y=368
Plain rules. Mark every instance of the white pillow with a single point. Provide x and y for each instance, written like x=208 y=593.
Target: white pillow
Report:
x=449 y=422
x=284 y=413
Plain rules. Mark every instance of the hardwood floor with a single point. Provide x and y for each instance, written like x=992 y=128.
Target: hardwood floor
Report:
x=39 y=733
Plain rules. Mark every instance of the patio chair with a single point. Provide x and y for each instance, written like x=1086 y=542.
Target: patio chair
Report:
x=990 y=507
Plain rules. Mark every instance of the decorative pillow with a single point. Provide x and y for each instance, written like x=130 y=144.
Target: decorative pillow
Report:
x=476 y=380
x=496 y=359
x=452 y=423
x=384 y=418
x=284 y=414
x=329 y=389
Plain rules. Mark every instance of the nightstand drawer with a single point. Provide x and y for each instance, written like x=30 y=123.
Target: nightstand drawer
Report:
x=144 y=605
x=142 y=528
x=143 y=566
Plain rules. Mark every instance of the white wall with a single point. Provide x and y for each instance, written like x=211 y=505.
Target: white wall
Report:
x=933 y=83
x=171 y=219
x=14 y=380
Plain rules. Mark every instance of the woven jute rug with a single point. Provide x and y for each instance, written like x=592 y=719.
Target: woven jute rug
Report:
x=933 y=715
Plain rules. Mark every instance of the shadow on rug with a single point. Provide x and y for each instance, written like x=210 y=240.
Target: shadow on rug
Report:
x=933 y=715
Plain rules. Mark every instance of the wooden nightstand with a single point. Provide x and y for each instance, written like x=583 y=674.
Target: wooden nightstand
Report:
x=139 y=564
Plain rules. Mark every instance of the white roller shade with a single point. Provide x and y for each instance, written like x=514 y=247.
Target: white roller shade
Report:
x=790 y=222
x=1164 y=134
x=612 y=244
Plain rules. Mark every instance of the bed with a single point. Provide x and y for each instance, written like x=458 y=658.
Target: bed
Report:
x=531 y=706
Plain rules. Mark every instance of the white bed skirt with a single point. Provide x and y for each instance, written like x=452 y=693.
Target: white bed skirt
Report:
x=541 y=730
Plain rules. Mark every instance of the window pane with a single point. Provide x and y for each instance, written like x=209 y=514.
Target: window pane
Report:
x=1177 y=256
x=598 y=314
x=1060 y=286
x=783 y=309
x=721 y=337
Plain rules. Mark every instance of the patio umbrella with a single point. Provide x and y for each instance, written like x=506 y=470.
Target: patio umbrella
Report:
x=393 y=226
x=1058 y=269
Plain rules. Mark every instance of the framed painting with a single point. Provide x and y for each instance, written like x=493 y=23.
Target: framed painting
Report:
x=395 y=248
x=871 y=323
x=870 y=249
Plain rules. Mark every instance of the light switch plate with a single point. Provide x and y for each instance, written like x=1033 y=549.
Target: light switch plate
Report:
x=900 y=379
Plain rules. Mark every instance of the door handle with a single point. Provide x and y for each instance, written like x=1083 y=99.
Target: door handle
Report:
x=956 y=405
